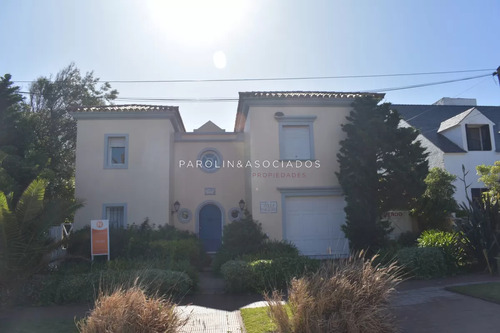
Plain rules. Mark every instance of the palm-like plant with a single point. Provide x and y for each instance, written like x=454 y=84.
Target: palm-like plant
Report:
x=24 y=240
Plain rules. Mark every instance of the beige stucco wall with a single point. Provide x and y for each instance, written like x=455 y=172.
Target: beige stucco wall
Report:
x=189 y=183
x=263 y=143
x=143 y=186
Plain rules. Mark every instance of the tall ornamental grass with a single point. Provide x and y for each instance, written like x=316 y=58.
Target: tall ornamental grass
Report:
x=351 y=295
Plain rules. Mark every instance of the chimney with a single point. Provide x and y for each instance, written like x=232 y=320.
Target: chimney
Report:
x=456 y=101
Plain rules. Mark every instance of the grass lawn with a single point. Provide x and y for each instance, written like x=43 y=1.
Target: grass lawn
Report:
x=256 y=320
x=39 y=326
x=488 y=291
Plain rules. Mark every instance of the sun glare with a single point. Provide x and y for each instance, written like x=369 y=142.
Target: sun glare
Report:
x=220 y=59
x=197 y=21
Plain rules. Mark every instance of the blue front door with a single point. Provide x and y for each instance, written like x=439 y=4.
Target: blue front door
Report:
x=210 y=227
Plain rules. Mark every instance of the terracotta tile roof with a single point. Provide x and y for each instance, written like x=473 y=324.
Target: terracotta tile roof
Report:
x=307 y=94
x=131 y=111
x=294 y=98
x=127 y=108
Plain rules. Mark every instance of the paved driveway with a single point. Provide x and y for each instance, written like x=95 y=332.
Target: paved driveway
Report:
x=433 y=309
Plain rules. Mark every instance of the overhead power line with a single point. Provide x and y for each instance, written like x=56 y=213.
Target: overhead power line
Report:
x=288 y=78
x=428 y=84
x=230 y=99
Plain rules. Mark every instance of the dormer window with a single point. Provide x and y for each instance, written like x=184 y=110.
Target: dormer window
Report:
x=478 y=137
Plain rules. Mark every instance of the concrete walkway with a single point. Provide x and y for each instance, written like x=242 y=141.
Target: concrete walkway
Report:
x=211 y=310
x=202 y=319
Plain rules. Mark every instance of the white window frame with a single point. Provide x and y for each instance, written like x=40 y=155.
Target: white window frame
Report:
x=108 y=164
x=306 y=121
x=111 y=205
x=481 y=140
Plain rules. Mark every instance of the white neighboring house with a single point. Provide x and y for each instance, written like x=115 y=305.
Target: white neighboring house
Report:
x=456 y=132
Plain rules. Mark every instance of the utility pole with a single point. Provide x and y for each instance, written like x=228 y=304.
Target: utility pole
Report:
x=497 y=73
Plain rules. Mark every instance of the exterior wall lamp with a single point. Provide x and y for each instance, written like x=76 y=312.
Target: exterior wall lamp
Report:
x=177 y=205
x=241 y=204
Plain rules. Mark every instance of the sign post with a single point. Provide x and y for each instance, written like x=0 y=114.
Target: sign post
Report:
x=99 y=238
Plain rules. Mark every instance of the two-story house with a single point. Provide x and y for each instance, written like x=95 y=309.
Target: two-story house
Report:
x=456 y=133
x=279 y=163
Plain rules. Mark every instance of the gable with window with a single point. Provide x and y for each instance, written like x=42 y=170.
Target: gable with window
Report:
x=296 y=137
x=116 y=151
x=478 y=137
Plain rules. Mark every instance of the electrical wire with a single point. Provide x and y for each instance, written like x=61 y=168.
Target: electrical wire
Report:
x=286 y=78
x=229 y=99
x=427 y=84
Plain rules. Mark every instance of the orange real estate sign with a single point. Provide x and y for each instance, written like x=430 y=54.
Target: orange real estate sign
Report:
x=99 y=237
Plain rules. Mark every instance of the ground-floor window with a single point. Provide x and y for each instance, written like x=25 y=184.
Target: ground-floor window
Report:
x=115 y=213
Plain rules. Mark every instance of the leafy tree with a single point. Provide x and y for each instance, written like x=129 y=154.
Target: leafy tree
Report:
x=54 y=129
x=382 y=167
x=39 y=138
x=482 y=217
x=16 y=167
x=490 y=176
x=24 y=240
x=437 y=203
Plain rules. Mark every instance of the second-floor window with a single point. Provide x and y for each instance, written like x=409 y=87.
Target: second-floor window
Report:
x=296 y=138
x=116 y=154
x=478 y=137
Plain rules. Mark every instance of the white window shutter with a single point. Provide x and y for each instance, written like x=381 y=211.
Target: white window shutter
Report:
x=296 y=142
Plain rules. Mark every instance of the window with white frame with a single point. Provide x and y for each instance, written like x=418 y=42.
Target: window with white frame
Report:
x=296 y=138
x=116 y=155
x=115 y=213
x=478 y=137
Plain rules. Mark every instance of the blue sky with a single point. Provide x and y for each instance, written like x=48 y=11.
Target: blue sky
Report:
x=170 y=40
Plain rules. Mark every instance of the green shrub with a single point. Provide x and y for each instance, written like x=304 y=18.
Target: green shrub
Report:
x=272 y=249
x=423 y=262
x=266 y=275
x=238 y=275
x=453 y=245
x=408 y=239
x=242 y=237
x=434 y=207
x=221 y=257
x=277 y=273
x=140 y=241
x=72 y=288
x=189 y=249
x=239 y=238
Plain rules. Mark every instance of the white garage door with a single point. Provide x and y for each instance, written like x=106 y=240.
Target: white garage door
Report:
x=313 y=225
